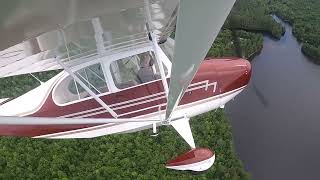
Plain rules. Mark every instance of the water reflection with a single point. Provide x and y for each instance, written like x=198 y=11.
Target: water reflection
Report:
x=276 y=121
x=260 y=95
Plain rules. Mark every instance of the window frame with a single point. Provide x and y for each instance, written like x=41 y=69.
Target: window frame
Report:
x=105 y=63
x=66 y=76
x=116 y=89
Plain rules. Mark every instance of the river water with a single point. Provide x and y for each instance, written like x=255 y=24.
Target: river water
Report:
x=276 y=119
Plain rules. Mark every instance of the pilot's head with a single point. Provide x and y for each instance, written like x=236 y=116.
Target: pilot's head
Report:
x=146 y=60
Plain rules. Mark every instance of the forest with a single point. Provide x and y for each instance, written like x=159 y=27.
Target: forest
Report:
x=128 y=156
x=254 y=15
x=125 y=156
x=304 y=16
x=244 y=28
x=138 y=155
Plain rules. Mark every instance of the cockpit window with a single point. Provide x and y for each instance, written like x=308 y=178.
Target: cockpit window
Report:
x=134 y=70
x=69 y=90
x=93 y=77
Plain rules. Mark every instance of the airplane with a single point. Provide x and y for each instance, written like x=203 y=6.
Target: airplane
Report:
x=120 y=70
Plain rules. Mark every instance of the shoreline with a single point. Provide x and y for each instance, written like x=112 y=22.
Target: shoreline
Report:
x=309 y=50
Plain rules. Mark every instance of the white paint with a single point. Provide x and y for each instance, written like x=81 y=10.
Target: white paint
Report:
x=164 y=59
x=155 y=48
x=105 y=64
x=204 y=84
x=3 y=100
x=154 y=128
x=198 y=166
x=97 y=132
x=182 y=126
x=29 y=102
x=84 y=86
x=145 y=99
x=189 y=110
x=11 y=120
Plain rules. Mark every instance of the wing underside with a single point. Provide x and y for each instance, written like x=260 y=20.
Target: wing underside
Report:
x=199 y=23
x=33 y=33
x=80 y=37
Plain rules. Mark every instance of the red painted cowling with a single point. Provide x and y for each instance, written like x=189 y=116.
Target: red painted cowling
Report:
x=198 y=159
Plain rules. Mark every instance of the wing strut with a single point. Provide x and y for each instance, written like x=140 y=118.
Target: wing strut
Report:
x=98 y=34
x=84 y=86
x=103 y=104
x=198 y=24
x=154 y=45
x=182 y=126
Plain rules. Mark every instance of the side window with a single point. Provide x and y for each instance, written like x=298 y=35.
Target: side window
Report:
x=93 y=77
x=69 y=90
x=134 y=70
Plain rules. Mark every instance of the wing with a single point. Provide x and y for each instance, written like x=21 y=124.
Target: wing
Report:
x=112 y=26
x=199 y=22
x=31 y=31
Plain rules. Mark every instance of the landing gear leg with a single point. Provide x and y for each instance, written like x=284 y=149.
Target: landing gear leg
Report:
x=154 y=130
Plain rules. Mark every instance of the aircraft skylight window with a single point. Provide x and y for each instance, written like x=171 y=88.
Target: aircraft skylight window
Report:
x=134 y=70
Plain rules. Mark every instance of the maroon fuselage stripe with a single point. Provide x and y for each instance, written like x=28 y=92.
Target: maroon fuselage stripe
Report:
x=229 y=75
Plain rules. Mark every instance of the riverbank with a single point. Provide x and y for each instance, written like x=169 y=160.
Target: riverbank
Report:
x=304 y=16
x=253 y=16
x=137 y=155
x=236 y=43
x=125 y=156
x=275 y=120
x=243 y=31
x=311 y=52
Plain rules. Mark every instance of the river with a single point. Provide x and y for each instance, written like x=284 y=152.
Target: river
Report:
x=276 y=119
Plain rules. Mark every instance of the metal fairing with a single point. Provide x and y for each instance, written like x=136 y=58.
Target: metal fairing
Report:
x=216 y=82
